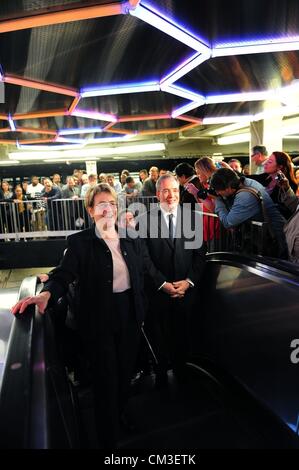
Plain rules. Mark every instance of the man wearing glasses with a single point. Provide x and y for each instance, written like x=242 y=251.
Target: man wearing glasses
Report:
x=259 y=157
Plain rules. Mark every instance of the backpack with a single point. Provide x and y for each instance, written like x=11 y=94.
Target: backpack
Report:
x=254 y=237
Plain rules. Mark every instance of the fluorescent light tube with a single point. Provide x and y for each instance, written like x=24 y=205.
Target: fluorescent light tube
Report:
x=234 y=139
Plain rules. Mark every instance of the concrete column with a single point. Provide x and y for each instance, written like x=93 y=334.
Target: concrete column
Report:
x=91 y=167
x=268 y=132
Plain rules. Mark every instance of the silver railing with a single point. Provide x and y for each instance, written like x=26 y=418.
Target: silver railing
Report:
x=43 y=219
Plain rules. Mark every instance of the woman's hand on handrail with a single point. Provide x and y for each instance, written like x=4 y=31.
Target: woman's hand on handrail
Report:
x=41 y=300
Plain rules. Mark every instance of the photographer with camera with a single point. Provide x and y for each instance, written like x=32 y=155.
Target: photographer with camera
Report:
x=205 y=167
x=278 y=162
x=241 y=199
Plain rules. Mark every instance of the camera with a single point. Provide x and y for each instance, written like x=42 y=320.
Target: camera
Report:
x=279 y=177
x=204 y=193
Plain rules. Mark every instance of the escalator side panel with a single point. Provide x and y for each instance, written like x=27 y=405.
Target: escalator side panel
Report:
x=246 y=323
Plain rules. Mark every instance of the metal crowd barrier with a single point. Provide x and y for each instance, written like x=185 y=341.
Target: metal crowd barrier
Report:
x=43 y=219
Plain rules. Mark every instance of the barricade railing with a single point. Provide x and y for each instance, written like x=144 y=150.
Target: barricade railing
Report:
x=43 y=219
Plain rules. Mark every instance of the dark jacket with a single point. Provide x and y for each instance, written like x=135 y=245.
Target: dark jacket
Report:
x=264 y=180
x=148 y=188
x=89 y=261
x=167 y=260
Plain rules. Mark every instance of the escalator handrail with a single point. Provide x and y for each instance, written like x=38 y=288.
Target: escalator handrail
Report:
x=21 y=368
x=267 y=267
x=276 y=427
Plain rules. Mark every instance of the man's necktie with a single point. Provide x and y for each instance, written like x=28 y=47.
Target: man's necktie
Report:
x=170 y=226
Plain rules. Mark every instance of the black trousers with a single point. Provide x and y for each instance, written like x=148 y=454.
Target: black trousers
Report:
x=168 y=328
x=113 y=363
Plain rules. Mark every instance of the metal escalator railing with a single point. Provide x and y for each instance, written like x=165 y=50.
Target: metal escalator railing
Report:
x=37 y=410
x=19 y=384
x=269 y=427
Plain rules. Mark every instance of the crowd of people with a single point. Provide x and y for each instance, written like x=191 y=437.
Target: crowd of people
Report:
x=147 y=278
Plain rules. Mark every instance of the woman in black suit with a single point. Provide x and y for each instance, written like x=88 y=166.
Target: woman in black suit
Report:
x=109 y=271
x=276 y=163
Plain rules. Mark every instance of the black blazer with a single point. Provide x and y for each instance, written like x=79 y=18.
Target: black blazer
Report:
x=264 y=179
x=89 y=261
x=167 y=260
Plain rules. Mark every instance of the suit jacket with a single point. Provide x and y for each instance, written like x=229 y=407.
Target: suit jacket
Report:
x=167 y=260
x=89 y=261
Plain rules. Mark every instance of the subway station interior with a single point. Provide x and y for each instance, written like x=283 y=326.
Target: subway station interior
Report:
x=101 y=86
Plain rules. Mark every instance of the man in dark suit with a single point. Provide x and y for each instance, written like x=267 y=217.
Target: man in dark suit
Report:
x=185 y=174
x=174 y=266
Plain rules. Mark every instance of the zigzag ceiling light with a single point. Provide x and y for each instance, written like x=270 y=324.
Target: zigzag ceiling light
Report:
x=168 y=83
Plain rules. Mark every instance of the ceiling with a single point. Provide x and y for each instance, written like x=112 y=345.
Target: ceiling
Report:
x=95 y=79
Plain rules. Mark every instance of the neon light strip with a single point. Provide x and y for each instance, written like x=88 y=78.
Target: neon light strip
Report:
x=167 y=26
x=120 y=89
x=187 y=107
x=41 y=114
x=3 y=117
x=106 y=128
x=143 y=117
x=56 y=17
x=122 y=131
x=5 y=129
x=134 y=3
x=34 y=130
x=184 y=93
x=190 y=119
x=94 y=115
x=33 y=141
x=94 y=152
x=227 y=119
x=11 y=123
x=85 y=130
x=74 y=104
x=109 y=139
x=40 y=85
x=70 y=140
x=234 y=139
x=47 y=147
x=188 y=126
x=257 y=47
x=183 y=69
x=248 y=96
x=229 y=128
x=171 y=130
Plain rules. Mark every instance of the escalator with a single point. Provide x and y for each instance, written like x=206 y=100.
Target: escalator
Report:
x=241 y=388
x=8 y=298
x=37 y=409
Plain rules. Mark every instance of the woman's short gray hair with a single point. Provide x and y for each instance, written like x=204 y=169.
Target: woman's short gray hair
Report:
x=98 y=189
